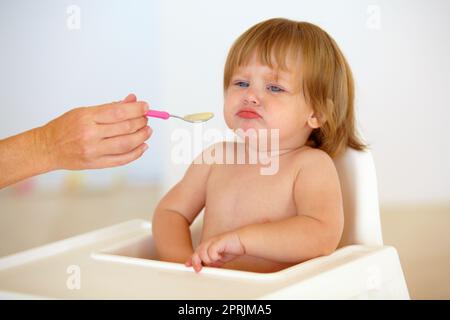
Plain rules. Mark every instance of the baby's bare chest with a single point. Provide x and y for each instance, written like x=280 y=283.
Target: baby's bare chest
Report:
x=240 y=195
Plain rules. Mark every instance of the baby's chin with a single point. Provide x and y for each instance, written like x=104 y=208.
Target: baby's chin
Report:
x=254 y=130
x=249 y=124
x=250 y=130
x=258 y=140
x=249 y=127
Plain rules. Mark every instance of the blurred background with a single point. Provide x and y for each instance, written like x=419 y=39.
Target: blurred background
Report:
x=56 y=55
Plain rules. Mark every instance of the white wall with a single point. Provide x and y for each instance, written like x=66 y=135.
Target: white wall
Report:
x=172 y=53
x=48 y=68
x=401 y=67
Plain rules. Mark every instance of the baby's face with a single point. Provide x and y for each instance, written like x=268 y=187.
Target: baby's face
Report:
x=255 y=100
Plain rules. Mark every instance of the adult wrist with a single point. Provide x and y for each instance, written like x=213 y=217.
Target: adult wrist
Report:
x=43 y=155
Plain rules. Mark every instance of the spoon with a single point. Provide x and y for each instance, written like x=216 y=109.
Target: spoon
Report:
x=194 y=118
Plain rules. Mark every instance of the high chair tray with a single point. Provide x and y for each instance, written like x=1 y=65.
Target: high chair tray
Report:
x=117 y=263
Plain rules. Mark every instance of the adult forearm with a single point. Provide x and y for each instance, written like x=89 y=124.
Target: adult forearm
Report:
x=22 y=156
x=291 y=240
x=172 y=236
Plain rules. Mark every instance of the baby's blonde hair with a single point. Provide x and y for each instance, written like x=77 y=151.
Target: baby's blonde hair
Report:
x=327 y=79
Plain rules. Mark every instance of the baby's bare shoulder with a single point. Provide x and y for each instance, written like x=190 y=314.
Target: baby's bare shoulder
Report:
x=315 y=162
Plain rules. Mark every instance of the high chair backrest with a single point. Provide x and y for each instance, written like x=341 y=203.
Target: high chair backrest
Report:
x=358 y=179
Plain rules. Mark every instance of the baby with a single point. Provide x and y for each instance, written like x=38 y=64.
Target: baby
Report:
x=290 y=77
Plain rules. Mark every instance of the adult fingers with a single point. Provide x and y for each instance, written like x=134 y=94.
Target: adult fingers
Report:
x=117 y=112
x=125 y=143
x=121 y=159
x=130 y=98
x=123 y=127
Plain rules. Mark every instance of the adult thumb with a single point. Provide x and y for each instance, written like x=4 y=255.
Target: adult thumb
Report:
x=130 y=98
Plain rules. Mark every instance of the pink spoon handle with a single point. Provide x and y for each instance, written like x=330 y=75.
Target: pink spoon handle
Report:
x=158 y=114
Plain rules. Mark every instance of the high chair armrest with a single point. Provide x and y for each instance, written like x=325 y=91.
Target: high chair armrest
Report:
x=351 y=272
x=123 y=256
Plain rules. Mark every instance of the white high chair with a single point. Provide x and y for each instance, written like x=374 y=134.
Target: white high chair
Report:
x=117 y=262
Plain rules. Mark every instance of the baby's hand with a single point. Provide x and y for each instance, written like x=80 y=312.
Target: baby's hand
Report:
x=215 y=251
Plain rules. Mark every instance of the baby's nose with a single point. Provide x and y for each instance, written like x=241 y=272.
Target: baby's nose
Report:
x=251 y=99
x=254 y=102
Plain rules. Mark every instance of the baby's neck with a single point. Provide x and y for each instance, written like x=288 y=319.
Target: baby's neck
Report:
x=272 y=153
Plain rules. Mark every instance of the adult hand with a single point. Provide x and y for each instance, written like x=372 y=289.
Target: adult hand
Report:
x=102 y=136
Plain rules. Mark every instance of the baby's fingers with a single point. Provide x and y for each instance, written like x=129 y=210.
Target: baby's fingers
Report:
x=214 y=252
x=196 y=262
x=203 y=254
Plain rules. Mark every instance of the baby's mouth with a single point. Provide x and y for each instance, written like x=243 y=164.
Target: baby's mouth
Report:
x=248 y=114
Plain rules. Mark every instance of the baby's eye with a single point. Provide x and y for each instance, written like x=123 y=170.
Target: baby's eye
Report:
x=242 y=84
x=275 y=89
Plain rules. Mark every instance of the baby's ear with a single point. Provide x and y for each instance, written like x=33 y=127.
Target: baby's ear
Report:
x=316 y=120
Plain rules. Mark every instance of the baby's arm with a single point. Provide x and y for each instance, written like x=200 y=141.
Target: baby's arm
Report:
x=315 y=230
x=176 y=211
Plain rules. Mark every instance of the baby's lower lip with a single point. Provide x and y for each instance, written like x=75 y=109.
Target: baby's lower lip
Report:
x=248 y=115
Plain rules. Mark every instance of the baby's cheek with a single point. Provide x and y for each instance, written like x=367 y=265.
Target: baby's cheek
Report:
x=276 y=121
x=227 y=111
x=229 y=120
